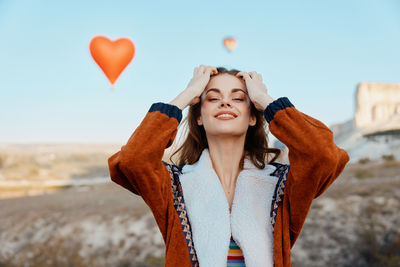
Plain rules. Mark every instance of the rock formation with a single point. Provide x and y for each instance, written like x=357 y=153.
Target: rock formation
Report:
x=375 y=128
x=378 y=104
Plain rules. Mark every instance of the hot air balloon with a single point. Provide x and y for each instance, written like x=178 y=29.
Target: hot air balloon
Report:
x=230 y=43
x=112 y=56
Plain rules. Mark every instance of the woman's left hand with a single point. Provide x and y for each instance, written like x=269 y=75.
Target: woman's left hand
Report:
x=256 y=89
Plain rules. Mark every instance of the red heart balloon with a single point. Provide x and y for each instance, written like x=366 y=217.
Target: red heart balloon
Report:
x=112 y=56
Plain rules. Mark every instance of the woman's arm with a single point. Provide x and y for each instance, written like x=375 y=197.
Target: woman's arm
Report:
x=138 y=166
x=315 y=160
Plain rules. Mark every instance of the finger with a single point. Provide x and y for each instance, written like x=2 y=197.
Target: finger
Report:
x=252 y=74
x=239 y=74
x=199 y=71
x=214 y=70
x=255 y=76
x=245 y=75
x=208 y=71
x=196 y=70
x=202 y=68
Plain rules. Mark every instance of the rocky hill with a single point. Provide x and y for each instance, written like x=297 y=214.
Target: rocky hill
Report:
x=374 y=132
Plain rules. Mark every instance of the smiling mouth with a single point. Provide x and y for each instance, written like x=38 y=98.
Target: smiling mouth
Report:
x=225 y=117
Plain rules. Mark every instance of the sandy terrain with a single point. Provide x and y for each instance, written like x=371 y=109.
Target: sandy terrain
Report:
x=100 y=225
x=354 y=223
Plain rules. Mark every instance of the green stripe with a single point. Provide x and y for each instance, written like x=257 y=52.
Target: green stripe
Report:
x=234 y=247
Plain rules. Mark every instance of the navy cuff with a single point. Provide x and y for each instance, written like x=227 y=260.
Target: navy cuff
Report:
x=168 y=109
x=275 y=106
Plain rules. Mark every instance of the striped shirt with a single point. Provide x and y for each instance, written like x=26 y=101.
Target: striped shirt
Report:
x=235 y=255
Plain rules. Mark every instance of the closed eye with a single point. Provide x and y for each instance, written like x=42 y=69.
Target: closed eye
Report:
x=212 y=99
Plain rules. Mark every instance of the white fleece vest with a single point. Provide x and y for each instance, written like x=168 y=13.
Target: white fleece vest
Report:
x=212 y=224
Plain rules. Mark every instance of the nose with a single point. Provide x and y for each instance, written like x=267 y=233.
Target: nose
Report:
x=223 y=102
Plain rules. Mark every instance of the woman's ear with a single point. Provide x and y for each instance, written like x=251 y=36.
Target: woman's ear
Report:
x=253 y=120
x=199 y=121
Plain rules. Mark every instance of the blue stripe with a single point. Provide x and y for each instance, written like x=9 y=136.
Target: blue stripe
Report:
x=168 y=109
x=235 y=261
x=275 y=106
x=234 y=264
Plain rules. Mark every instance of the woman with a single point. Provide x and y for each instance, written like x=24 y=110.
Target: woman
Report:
x=221 y=204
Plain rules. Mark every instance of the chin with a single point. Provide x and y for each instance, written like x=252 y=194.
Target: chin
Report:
x=226 y=131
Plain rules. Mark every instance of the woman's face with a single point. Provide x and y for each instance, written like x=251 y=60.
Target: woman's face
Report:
x=223 y=93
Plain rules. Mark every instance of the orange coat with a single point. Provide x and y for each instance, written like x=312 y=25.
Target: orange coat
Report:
x=315 y=162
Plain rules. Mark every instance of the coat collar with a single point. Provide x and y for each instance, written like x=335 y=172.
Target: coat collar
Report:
x=212 y=223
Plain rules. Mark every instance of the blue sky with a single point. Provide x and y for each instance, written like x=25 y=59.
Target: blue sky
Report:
x=313 y=52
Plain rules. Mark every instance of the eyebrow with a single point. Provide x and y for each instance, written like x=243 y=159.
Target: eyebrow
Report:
x=219 y=91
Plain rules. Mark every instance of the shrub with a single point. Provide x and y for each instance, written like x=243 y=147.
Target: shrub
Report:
x=375 y=253
x=364 y=160
x=362 y=173
x=3 y=159
x=389 y=157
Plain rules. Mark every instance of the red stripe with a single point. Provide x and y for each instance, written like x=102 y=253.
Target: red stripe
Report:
x=235 y=257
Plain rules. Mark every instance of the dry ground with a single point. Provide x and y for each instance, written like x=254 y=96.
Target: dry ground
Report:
x=354 y=223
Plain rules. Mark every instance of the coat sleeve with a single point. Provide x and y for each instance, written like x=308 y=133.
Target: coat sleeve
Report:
x=138 y=166
x=315 y=160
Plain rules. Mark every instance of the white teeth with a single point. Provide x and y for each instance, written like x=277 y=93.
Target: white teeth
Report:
x=226 y=115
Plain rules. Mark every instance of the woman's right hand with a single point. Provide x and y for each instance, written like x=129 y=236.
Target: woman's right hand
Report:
x=200 y=79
